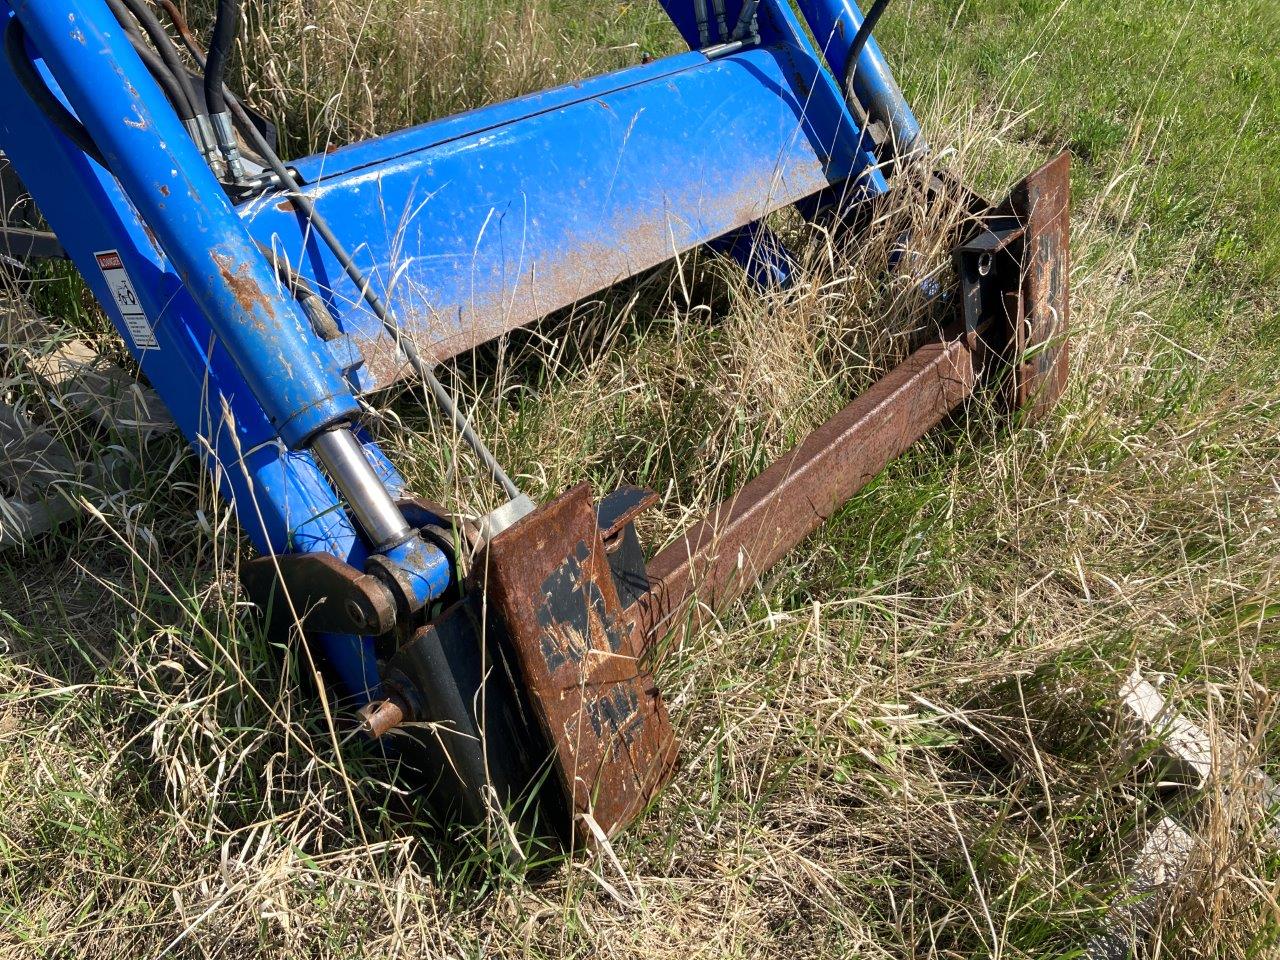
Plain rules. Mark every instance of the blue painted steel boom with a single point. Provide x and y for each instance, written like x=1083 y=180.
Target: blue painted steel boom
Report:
x=176 y=195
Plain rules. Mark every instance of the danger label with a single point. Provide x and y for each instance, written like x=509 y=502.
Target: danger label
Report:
x=126 y=298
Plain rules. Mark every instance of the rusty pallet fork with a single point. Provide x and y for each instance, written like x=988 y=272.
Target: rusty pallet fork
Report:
x=527 y=672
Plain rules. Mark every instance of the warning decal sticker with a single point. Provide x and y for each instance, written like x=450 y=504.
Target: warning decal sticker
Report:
x=126 y=298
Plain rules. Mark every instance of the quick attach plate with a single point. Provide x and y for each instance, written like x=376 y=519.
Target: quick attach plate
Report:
x=1015 y=270
x=1042 y=201
x=550 y=587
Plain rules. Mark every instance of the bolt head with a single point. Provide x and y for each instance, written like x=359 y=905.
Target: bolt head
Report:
x=356 y=613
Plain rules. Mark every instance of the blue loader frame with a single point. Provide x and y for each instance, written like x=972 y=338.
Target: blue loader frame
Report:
x=468 y=227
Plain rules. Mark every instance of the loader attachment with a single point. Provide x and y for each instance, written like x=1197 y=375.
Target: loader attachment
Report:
x=509 y=661
x=580 y=614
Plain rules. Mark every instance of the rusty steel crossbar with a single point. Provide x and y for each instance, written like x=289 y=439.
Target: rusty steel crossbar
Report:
x=724 y=554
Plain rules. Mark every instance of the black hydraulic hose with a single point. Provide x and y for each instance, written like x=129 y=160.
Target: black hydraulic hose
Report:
x=15 y=46
x=174 y=89
x=225 y=29
x=193 y=47
x=125 y=19
x=442 y=396
x=860 y=41
x=178 y=80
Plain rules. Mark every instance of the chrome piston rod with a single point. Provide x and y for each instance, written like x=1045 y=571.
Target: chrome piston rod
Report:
x=342 y=457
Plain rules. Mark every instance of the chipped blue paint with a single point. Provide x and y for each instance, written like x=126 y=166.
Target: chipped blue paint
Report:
x=268 y=337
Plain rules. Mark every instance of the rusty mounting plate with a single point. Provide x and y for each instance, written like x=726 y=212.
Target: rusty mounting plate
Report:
x=1042 y=203
x=580 y=660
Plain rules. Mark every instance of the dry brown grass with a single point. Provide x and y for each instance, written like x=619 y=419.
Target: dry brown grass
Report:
x=903 y=745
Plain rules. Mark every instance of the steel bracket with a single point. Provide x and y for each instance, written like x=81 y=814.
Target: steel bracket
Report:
x=985 y=264
x=1013 y=272
x=327 y=594
x=465 y=735
x=616 y=515
x=580 y=661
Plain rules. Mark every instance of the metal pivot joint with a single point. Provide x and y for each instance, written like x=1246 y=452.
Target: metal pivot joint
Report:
x=416 y=571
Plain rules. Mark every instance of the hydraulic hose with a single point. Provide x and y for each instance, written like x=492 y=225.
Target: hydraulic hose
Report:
x=225 y=28
x=15 y=46
x=173 y=76
x=873 y=94
x=32 y=82
x=442 y=396
x=197 y=52
x=245 y=123
x=860 y=41
x=184 y=31
x=173 y=88
x=126 y=20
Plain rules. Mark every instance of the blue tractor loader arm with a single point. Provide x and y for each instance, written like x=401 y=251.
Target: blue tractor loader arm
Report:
x=255 y=296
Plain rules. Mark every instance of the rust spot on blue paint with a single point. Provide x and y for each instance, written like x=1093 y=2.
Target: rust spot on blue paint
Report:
x=240 y=280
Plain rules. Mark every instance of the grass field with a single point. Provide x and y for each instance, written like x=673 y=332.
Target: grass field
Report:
x=905 y=743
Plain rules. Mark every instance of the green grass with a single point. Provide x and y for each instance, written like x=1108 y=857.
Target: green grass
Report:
x=1184 y=91
x=905 y=743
